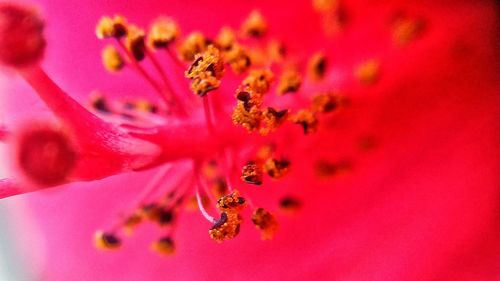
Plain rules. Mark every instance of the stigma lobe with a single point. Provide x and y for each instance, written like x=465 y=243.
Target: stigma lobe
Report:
x=45 y=156
x=21 y=30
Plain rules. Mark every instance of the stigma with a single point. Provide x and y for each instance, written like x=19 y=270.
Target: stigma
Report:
x=202 y=140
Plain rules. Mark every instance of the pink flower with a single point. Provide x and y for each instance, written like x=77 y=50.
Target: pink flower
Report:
x=416 y=124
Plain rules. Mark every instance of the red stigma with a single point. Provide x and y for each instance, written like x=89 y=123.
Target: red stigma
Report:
x=45 y=156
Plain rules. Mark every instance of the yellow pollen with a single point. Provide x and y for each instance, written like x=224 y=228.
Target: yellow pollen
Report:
x=272 y=119
x=194 y=44
x=227 y=227
x=317 y=66
x=237 y=58
x=206 y=71
x=254 y=25
x=252 y=173
x=164 y=246
x=111 y=59
x=111 y=27
x=163 y=31
x=290 y=81
x=231 y=203
x=307 y=120
x=247 y=112
x=259 y=80
x=225 y=39
x=266 y=222
x=106 y=241
x=368 y=72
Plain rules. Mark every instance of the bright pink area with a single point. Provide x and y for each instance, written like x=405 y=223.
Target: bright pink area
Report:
x=423 y=206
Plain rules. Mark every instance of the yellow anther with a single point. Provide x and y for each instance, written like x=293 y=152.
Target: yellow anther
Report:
x=252 y=173
x=248 y=118
x=276 y=51
x=112 y=59
x=163 y=31
x=111 y=27
x=325 y=5
x=227 y=227
x=158 y=214
x=206 y=71
x=265 y=152
x=407 y=29
x=145 y=106
x=225 y=39
x=368 y=72
x=131 y=223
x=276 y=168
x=194 y=44
x=164 y=246
x=307 y=120
x=259 y=80
x=135 y=42
x=209 y=62
x=237 y=58
x=317 y=66
x=231 y=203
x=324 y=103
x=290 y=81
x=106 y=241
x=272 y=119
x=254 y=25
x=266 y=222
x=247 y=112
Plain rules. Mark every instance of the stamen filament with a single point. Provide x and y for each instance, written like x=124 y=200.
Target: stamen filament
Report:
x=137 y=67
x=204 y=212
x=178 y=105
x=208 y=114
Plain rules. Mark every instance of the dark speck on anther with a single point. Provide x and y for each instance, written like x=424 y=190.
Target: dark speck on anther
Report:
x=221 y=221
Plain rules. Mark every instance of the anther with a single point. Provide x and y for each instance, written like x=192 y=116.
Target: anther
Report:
x=368 y=72
x=231 y=203
x=112 y=59
x=131 y=223
x=194 y=44
x=252 y=173
x=266 y=222
x=237 y=58
x=406 y=29
x=112 y=27
x=307 y=120
x=135 y=42
x=272 y=119
x=227 y=227
x=46 y=155
x=164 y=246
x=324 y=103
x=206 y=71
x=21 y=30
x=106 y=241
x=290 y=204
x=259 y=80
x=317 y=66
x=254 y=25
x=276 y=168
x=225 y=39
x=290 y=82
x=163 y=32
